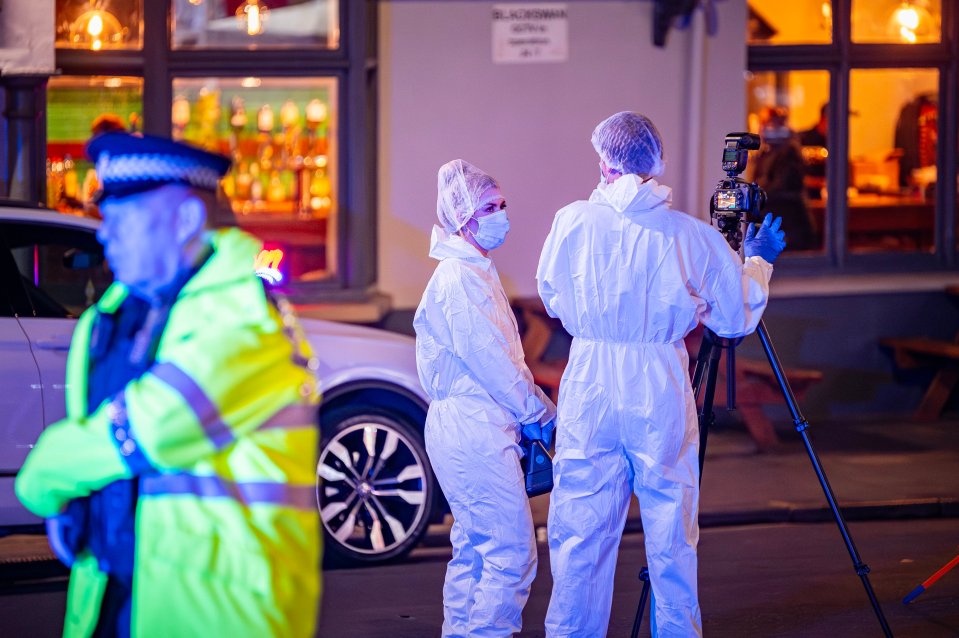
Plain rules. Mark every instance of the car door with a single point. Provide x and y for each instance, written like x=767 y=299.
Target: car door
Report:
x=62 y=272
x=21 y=396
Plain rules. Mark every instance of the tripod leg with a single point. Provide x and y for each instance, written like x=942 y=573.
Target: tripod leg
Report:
x=702 y=359
x=706 y=414
x=643 y=597
x=801 y=426
x=731 y=379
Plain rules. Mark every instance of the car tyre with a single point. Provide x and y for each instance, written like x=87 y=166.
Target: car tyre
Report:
x=374 y=488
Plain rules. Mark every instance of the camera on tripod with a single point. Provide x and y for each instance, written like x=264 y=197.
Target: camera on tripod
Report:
x=735 y=198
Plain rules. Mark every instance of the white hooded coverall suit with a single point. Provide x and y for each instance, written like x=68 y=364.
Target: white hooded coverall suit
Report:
x=629 y=278
x=470 y=361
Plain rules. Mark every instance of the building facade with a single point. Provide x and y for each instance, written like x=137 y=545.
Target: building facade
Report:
x=339 y=112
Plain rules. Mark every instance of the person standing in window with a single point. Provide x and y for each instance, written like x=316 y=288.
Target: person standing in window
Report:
x=779 y=170
x=470 y=362
x=816 y=150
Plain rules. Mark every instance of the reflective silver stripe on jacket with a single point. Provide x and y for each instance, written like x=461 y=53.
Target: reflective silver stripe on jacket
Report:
x=217 y=431
x=292 y=416
x=206 y=412
x=246 y=493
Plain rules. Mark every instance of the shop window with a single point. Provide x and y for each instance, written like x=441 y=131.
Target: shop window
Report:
x=77 y=107
x=896 y=21
x=99 y=25
x=255 y=23
x=281 y=135
x=294 y=182
x=893 y=129
x=788 y=109
x=794 y=22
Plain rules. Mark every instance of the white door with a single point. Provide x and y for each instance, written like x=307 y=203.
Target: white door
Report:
x=21 y=396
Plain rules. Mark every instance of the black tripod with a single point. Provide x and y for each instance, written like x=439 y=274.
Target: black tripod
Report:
x=707 y=366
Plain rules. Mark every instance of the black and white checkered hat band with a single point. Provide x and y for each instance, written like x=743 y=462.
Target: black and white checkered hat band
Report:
x=129 y=169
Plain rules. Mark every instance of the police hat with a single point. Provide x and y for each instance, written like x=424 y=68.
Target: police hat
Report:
x=128 y=164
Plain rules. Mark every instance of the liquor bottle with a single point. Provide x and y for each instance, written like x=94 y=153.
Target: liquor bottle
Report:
x=320 y=189
x=71 y=181
x=275 y=191
x=54 y=182
x=243 y=181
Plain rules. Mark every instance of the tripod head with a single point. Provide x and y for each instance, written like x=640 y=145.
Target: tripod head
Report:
x=734 y=198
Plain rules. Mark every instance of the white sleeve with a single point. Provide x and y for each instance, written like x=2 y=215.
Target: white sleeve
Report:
x=734 y=293
x=546 y=271
x=481 y=340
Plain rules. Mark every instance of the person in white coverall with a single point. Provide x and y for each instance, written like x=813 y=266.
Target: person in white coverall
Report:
x=629 y=277
x=470 y=361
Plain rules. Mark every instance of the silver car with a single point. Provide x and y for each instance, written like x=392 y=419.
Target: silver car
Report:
x=375 y=489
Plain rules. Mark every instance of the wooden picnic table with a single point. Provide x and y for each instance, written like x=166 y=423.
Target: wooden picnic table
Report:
x=920 y=352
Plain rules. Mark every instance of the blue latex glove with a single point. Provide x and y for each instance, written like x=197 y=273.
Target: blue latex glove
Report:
x=767 y=242
x=548 y=431
x=57 y=531
x=535 y=431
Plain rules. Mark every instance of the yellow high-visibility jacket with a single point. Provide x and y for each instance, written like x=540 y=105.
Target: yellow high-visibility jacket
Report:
x=221 y=433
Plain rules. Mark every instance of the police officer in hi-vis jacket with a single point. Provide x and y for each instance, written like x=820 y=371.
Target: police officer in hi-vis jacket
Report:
x=180 y=487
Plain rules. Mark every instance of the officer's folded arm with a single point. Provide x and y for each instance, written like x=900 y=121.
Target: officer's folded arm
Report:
x=72 y=458
x=163 y=420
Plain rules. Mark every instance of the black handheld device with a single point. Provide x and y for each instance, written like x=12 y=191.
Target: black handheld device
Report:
x=537 y=467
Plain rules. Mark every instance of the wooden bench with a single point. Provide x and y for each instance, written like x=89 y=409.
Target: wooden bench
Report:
x=910 y=353
x=917 y=352
x=756 y=385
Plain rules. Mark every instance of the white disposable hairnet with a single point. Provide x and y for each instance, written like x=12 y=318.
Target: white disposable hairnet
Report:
x=630 y=144
x=459 y=187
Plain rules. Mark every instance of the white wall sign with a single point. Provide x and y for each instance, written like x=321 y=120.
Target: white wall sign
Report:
x=530 y=33
x=26 y=37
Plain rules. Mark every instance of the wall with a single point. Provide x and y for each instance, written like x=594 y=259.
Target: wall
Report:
x=442 y=97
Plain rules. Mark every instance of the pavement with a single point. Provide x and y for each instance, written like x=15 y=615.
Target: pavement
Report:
x=880 y=468
x=783 y=580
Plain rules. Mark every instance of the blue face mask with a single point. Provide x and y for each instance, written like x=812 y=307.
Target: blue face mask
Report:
x=491 y=230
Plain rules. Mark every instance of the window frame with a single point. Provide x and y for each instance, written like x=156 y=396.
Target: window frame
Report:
x=353 y=64
x=840 y=58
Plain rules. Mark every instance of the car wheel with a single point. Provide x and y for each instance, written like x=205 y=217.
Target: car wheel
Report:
x=374 y=487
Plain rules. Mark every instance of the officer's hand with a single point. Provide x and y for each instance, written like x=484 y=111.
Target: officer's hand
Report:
x=767 y=242
x=57 y=532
